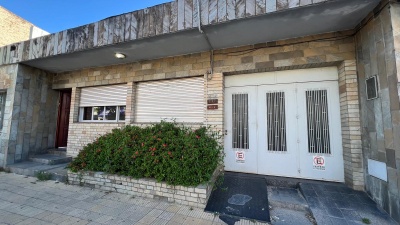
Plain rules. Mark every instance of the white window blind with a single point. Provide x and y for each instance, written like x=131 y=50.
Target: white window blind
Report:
x=179 y=99
x=111 y=95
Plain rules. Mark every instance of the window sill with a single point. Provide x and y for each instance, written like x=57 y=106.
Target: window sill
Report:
x=105 y=122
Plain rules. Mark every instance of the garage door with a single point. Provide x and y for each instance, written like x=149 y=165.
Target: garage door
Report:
x=284 y=124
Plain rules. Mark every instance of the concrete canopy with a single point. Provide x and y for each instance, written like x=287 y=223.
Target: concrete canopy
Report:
x=329 y=16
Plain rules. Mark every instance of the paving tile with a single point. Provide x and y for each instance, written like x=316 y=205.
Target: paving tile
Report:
x=350 y=215
x=147 y=219
x=338 y=221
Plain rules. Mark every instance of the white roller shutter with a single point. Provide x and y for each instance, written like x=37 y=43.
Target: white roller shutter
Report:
x=111 y=95
x=180 y=99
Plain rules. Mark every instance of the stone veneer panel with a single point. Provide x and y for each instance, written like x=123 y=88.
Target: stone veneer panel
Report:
x=31 y=113
x=8 y=78
x=377 y=55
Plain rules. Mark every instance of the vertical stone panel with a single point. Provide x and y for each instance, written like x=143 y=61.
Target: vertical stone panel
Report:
x=222 y=13
x=204 y=11
x=250 y=8
x=213 y=11
x=188 y=14
x=166 y=18
x=260 y=7
x=240 y=9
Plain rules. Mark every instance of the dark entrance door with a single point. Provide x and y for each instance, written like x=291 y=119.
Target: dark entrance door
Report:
x=64 y=107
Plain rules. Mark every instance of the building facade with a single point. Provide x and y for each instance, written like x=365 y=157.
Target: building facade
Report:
x=304 y=89
x=15 y=29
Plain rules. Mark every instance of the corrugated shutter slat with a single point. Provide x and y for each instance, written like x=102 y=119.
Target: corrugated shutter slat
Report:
x=104 y=95
x=180 y=99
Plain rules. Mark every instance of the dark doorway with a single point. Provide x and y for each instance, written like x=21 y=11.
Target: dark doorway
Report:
x=64 y=107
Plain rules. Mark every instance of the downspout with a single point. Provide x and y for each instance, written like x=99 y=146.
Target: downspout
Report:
x=206 y=37
x=211 y=57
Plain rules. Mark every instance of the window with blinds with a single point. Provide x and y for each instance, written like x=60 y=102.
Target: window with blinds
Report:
x=103 y=103
x=178 y=99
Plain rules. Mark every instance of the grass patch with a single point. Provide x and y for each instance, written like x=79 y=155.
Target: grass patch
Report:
x=5 y=170
x=42 y=176
x=366 y=221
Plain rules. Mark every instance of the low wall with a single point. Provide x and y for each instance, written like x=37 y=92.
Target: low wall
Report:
x=145 y=187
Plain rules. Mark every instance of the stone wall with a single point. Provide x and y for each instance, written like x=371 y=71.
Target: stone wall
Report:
x=145 y=187
x=8 y=77
x=381 y=116
x=13 y=28
x=34 y=115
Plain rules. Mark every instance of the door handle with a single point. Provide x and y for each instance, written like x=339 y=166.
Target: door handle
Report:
x=226 y=132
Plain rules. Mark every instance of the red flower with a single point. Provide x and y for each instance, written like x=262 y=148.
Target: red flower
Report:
x=142 y=144
x=164 y=145
x=197 y=136
x=169 y=153
x=137 y=152
x=152 y=154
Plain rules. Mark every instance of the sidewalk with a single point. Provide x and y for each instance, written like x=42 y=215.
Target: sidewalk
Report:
x=24 y=200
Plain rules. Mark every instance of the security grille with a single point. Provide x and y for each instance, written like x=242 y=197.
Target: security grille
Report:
x=240 y=121
x=317 y=121
x=276 y=122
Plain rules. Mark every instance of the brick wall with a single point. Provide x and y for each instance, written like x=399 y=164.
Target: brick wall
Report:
x=381 y=116
x=149 y=188
x=297 y=53
x=13 y=28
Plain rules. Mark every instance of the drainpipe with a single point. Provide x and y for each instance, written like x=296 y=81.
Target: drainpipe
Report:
x=206 y=37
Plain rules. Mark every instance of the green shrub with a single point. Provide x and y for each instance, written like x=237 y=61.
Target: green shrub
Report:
x=165 y=151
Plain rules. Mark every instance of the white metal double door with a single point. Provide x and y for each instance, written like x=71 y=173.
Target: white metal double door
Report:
x=290 y=130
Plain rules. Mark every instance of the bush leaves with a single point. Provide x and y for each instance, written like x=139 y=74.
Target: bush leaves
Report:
x=165 y=151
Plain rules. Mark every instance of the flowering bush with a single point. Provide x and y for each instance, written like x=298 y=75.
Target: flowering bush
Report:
x=164 y=151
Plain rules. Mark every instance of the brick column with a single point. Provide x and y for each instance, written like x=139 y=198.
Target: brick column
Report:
x=214 y=88
x=351 y=126
x=73 y=118
x=130 y=103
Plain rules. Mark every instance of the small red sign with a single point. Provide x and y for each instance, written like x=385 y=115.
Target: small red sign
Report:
x=212 y=101
x=212 y=107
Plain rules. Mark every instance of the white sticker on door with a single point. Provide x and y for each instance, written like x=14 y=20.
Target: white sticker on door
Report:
x=319 y=162
x=240 y=158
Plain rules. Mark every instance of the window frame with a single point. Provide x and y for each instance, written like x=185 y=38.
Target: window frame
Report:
x=117 y=119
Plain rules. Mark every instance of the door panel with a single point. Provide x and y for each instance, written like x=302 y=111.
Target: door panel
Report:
x=277 y=153
x=63 y=118
x=320 y=131
x=290 y=130
x=240 y=119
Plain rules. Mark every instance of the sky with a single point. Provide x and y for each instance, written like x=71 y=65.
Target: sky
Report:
x=57 y=15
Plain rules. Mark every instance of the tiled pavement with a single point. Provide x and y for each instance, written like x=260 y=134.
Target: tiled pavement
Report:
x=23 y=200
x=333 y=204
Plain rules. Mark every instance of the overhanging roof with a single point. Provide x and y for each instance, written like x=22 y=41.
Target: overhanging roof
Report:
x=171 y=29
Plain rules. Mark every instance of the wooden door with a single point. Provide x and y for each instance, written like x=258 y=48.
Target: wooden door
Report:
x=63 y=118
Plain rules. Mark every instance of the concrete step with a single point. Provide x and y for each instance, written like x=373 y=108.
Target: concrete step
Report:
x=58 y=151
x=289 y=198
x=57 y=172
x=51 y=159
